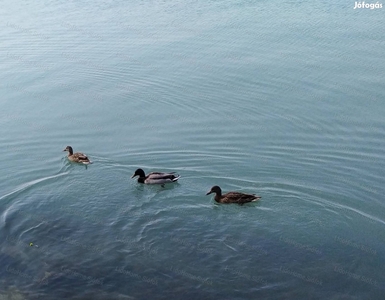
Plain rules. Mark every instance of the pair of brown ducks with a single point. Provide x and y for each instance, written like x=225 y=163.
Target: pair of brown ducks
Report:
x=162 y=178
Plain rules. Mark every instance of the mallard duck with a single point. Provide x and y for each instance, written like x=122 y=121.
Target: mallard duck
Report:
x=232 y=197
x=77 y=157
x=155 y=177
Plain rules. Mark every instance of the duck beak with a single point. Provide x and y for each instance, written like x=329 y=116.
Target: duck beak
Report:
x=64 y=150
x=208 y=193
x=133 y=176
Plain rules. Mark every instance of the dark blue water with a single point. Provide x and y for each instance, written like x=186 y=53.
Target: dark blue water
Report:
x=283 y=99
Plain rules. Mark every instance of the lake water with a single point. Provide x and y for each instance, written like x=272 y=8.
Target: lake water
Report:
x=284 y=99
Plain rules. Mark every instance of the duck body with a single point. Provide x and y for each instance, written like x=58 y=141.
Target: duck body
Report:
x=232 y=197
x=77 y=157
x=155 y=177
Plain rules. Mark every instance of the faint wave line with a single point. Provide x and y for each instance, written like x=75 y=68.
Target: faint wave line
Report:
x=25 y=186
x=344 y=207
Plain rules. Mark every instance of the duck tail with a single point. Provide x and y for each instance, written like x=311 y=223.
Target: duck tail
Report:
x=177 y=176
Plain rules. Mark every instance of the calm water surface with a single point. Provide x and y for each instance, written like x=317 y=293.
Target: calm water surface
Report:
x=284 y=99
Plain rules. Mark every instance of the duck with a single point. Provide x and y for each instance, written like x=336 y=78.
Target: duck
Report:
x=77 y=157
x=232 y=197
x=155 y=177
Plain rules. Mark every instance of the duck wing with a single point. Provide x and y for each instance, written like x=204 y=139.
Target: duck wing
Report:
x=81 y=157
x=160 y=177
x=240 y=198
x=157 y=174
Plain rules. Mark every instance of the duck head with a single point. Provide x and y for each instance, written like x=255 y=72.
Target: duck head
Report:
x=139 y=172
x=215 y=189
x=69 y=149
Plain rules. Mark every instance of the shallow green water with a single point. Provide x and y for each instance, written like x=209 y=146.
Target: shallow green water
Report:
x=283 y=99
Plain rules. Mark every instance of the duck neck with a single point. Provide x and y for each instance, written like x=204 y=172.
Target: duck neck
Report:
x=141 y=179
x=70 y=152
x=218 y=197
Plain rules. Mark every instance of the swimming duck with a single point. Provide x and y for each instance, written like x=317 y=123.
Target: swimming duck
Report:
x=77 y=157
x=155 y=177
x=232 y=197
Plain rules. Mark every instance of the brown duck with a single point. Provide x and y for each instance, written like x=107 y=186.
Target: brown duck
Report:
x=232 y=197
x=77 y=157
